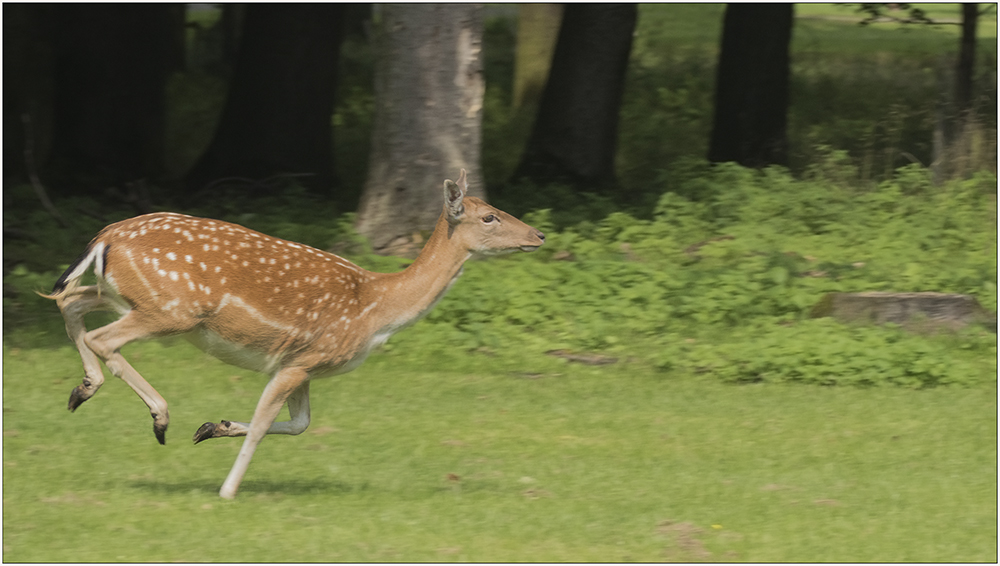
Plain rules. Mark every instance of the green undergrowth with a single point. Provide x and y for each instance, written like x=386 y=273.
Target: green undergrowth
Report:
x=719 y=282
x=725 y=284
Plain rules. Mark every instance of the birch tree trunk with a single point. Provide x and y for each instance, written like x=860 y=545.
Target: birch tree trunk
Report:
x=428 y=116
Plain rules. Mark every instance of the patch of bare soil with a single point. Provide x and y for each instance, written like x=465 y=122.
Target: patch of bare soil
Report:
x=685 y=546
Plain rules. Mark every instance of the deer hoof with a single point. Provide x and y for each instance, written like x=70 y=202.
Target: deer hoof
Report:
x=160 y=430
x=77 y=397
x=204 y=432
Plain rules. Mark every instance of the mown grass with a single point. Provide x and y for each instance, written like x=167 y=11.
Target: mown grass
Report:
x=553 y=462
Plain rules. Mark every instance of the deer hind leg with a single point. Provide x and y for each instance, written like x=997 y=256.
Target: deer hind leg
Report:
x=107 y=342
x=278 y=390
x=298 y=409
x=74 y=307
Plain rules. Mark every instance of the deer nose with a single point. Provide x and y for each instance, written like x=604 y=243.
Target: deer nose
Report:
x=540 y=234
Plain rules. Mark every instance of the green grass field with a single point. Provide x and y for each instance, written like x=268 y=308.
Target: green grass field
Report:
x=557 y=462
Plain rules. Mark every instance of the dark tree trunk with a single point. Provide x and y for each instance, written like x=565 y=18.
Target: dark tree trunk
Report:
x=111 y=66
x=966 y=59
x=27 y=86
x=537 y=32
x=428 y=119
x=231 y=26
x=955 y=135
x=751 y=90
x=276 y=120
x=576 y=132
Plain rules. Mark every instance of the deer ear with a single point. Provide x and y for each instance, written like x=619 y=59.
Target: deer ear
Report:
x=454 y=192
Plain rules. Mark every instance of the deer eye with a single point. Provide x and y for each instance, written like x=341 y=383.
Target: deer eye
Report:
x=489 y=218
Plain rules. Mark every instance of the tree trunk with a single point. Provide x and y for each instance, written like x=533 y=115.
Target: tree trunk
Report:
x=955 y=132
x=751 y=90
x=111 y=69
x=966 y=60
x=28 y=57
x=537 y=31
x=428 y=116
x=277 y=117
x=575 y=133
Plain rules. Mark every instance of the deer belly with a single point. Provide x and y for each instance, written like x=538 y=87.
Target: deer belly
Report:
x=361 y=355
x=233 y=353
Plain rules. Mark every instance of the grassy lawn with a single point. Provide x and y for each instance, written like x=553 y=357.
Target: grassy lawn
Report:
x=559 y=463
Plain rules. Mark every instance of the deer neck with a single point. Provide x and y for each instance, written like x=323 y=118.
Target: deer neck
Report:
x=411 y=293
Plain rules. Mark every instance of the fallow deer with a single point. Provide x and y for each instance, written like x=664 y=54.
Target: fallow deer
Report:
x=283 y=309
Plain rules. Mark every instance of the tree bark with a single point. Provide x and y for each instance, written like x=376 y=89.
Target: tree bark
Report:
x=575 y=135
x=28 y=57
x=965 y=69
x=277 y=117
x=751 y=90
x=111 y=68
x=537 y=31
x=955 y=120
x=428 y=116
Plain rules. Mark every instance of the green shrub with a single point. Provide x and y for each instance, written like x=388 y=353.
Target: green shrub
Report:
x=755 y=248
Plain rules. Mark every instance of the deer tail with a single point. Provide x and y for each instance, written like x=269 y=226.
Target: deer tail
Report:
x=96 y=254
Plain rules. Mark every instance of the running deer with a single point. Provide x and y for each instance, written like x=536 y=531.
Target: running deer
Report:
x=283 y=309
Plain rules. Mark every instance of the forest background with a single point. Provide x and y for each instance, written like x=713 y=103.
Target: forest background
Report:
x=671 y=397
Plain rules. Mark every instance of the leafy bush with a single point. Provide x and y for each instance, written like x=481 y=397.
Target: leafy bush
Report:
x=756 y=249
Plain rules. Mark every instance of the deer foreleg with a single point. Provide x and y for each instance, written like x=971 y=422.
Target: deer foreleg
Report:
x=277 y=391
x=298 y=409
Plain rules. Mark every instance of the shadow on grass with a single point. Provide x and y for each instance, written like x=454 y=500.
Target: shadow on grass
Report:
x=253 y=487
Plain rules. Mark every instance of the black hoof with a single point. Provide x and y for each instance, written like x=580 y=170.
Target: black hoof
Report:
x=76 y=398
x=204 y=432
x=160 y=432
